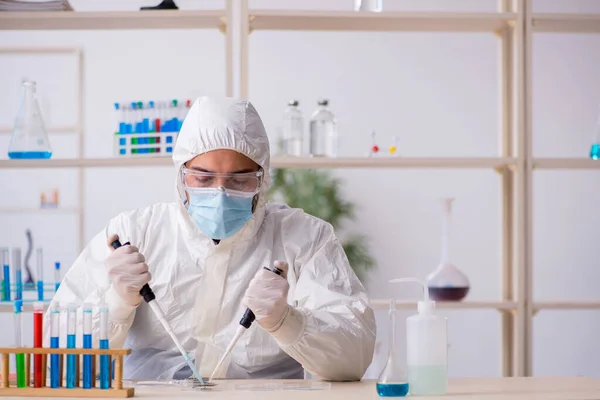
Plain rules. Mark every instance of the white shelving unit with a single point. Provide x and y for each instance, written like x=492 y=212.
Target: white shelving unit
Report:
x=513 y=25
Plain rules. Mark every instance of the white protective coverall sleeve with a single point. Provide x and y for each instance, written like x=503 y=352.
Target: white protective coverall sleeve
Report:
x=330 y=327
x=87 y=282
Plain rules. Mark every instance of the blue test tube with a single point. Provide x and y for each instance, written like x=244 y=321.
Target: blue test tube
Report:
x=88 y=378
x=71 y=343
x=152 y=116
x=55 y=367
x=40 y=273
x=104 y=358
x=121 y=126
x=6 y=274
x=16 y=258
x=57 y=277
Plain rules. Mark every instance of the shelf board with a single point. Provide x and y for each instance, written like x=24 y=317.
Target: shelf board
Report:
x=384 y=21
x=384 y=304
x=33 y=210
x=277 y=162
x=8 y=130
x=8 y=306
x=573 y=23
x=566 y=305
x=88 y=162
x=155 y=19
x=566 y=163
x=389 y=162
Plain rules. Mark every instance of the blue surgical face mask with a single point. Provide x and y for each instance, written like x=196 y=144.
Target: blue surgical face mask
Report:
x=217 y=213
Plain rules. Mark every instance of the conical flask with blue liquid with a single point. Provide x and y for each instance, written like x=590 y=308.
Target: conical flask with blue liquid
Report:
x=392 y=382
x=29 y=139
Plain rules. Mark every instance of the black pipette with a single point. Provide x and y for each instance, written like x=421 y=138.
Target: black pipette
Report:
x=245 y=323
x=149 y=297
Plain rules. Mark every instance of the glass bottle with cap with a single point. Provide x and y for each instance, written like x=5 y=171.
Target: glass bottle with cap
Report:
x=29 y=139
x=426 y=347
x=323 y=140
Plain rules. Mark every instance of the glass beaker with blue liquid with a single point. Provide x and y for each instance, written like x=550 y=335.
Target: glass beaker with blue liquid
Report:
x=392 y=382
x=29 y=139
x=595 y=149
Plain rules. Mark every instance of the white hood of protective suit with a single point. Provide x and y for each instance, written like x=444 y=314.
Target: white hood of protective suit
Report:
x=224 y=123
x=329 y=330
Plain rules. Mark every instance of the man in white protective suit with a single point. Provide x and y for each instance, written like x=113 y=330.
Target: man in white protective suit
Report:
x=203 y=256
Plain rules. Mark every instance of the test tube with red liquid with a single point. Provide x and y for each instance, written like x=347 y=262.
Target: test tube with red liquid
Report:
x=38 y=326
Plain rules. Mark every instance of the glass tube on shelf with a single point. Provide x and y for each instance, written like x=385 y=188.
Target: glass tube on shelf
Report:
x=55 y=367
x=72 y=378
x=57 y=277
x=104 y=358
x=16 y=259
x=40 y=273
x=88 y=378
x=5 y=261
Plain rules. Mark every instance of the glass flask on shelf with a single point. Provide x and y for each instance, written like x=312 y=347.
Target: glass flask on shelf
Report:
x=392 y=381
x=595 y=149
x=323 y=132
x=29 y=139
x=446 y=282
x=293 y=129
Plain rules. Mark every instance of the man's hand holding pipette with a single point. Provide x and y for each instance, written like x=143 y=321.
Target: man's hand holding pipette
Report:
x=128 y=272
x=266 y=296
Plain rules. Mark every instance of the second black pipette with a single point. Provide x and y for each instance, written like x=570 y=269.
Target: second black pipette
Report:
x=149 y=297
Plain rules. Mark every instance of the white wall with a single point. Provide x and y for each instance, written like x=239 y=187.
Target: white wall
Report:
x=437 y=92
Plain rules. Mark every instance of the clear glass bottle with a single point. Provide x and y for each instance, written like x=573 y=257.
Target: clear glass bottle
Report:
x=446 y=282
x=368 y=5
x=392 y=381
x=595 y=149
x=293 y=129
x=29 y=138
x=323 y=132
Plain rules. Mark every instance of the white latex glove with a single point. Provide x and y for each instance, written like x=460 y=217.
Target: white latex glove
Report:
x=267 y=297
x=128 y=272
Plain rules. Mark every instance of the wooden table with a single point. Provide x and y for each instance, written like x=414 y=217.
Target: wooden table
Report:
x=576 y=388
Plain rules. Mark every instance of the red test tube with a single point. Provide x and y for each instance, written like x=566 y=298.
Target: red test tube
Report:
x=38 y=327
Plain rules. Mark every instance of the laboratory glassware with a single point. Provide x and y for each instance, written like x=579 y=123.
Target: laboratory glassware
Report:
x=293 y=129
x=5 y=273
x=446 y=282
x=19 y=358
x=104 y=358
x=595 y=149
x=29 y=138
x=149 y=297
x=426 y=347
x=38 y=326
x=57 y=277
x=392 y=381
x=16 y=258
x=368 y=5
x=40 y=273
x=323 y=139
x=87 y=344
x=71 y=344
x=55 y=367
x=245 y=323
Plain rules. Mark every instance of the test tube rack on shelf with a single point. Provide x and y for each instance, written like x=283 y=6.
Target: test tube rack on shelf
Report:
x=144 y=144
x=115 y=391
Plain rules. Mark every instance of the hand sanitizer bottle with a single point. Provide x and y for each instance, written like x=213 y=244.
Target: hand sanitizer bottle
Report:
x=427 y=347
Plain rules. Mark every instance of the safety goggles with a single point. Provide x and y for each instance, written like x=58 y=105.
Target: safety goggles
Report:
x=247 y=183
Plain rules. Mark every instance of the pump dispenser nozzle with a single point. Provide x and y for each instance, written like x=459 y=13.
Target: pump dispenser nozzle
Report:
x=424 y=306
